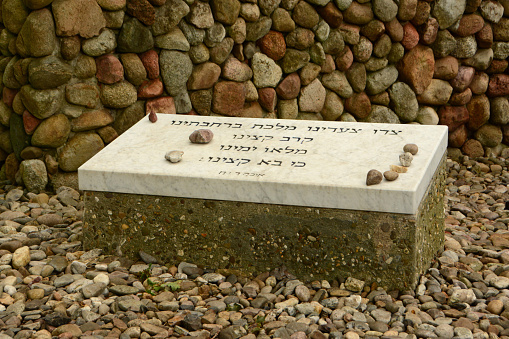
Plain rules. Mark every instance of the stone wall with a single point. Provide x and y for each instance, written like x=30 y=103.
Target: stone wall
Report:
x=77 y=73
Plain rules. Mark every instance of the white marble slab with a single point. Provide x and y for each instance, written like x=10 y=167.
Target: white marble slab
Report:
x=289 y=162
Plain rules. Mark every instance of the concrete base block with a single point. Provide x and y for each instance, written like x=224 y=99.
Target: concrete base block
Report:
x=313 y=243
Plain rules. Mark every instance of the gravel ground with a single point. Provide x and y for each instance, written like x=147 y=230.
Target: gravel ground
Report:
x=51 y=288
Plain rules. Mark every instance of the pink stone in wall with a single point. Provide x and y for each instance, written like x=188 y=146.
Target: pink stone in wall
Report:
x=417 y=68
x=460 y=99
x=142 y=10
x=345 y=60
x=463 y=78
x=499 y=85
x=453 y=116
x=8 y=95
x=428 y=32
x=229 y=98
x=267 y=98
x=289 y=88
x=109 y=69
x=164 y=105
x=273 y=45
x=458 y=137
x=30 y=122
x=470 y=24
x=150 y=89
x=331 y=14
x=410 y=36
x=150 y=60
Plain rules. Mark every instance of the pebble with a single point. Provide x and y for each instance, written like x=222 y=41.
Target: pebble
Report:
x=152 y=117
x=411 y=148
x=406 y=159
x=391 y=175
x=201 y=136
x=374 y=177
x=398 y=169
x=91 y=295
x=174 y=156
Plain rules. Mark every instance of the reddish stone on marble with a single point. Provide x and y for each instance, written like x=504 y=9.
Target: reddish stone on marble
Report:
x=150 y=60
x=453 y=116
x=460 y=99
x=446 y=68
x=359 y=105
x=8 y=95
x=458 y=137
x=473 y=148
x=478 y=111
x=142 y=10
x=273 y=45
x=331 y=14
x=499 y=85
x=267 y=98
x=410 y=36
x=470 y=24
x=150 y=89
x=417 y=68
x=484 y=37
x=109 y=69
x=428 y=32
x=229 y=98
x=463 y=78
x=161 y=105
x=289 y=88
x=345 y=60
x=30 y=122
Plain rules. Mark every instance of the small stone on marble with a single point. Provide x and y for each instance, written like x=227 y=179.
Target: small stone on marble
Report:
x=201 y=136
x=152 y=117
x=374 y=177
x=391 y=175
x=398 y=169
x=174 y=156
x=411 y=148
x=406 y=159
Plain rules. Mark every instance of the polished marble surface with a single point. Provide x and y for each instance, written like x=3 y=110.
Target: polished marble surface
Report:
x=289 y=162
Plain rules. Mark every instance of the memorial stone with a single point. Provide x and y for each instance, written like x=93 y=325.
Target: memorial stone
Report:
x=265 y=193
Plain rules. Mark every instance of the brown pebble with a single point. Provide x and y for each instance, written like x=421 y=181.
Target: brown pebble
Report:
x=374 y=177
x=152 y=117
x=391 y=175
x=411 y=148
x=398 y=169
x=201 y=136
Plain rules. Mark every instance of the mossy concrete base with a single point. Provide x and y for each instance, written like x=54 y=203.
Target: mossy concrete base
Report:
x=313 y=243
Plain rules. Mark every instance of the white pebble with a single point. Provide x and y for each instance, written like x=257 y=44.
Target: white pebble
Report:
x=174 y=156
x=406 y=159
